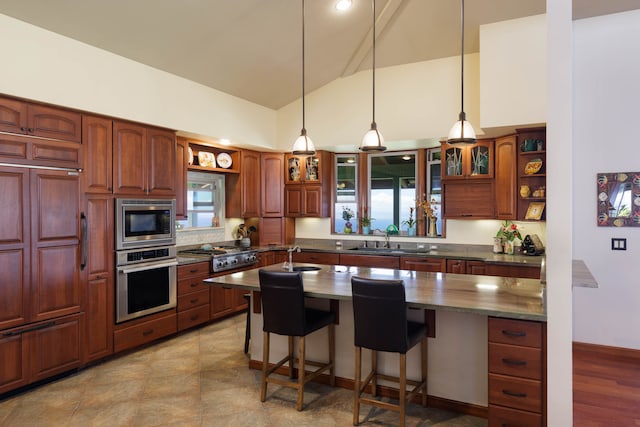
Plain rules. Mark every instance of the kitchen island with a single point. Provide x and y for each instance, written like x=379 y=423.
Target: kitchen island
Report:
x=462 y=303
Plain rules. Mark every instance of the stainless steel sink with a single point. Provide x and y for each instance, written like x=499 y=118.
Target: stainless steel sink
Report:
x=305 y=268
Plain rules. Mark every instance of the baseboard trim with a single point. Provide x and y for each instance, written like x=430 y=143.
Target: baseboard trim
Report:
x=606 y=351
x=385 y=391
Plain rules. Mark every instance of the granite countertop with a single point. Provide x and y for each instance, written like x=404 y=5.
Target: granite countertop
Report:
x=512 y=298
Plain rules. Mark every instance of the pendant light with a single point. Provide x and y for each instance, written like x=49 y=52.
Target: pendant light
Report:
x=462 y=132
x=303 y=146
x=373 y=140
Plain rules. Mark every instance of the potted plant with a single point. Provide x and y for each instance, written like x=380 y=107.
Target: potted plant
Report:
x=365 y=223
x=347 y=214
x=410 y=223
x=429 y=215
x=509 y=232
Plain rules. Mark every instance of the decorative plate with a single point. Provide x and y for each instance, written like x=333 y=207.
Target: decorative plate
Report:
x=190 y=156
x=224 y=160
x=207 y=159
x=533 y=166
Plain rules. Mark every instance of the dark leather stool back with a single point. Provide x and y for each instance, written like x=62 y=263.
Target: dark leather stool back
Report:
x=380 y=314
x=282 y=302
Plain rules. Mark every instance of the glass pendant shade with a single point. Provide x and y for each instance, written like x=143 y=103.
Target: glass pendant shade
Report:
x=303 y=146
x=373 y=140
x=462 y=132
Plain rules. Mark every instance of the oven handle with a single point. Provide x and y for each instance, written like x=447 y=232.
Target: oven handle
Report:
x=147 y=266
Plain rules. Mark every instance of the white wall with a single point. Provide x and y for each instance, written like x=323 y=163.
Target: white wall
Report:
x=606 y=93
x=44 y=66
x=513 y=77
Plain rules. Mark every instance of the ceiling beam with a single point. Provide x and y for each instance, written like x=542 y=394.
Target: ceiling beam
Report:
x=384 y=17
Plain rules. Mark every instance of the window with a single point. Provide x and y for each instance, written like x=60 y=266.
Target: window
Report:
x=205 y=200
x=434 y=185
x=346 y=190
x=392 y=184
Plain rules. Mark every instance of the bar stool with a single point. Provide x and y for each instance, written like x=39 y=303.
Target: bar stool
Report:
x=380 y=324
x=247 y=326
x=284 y=313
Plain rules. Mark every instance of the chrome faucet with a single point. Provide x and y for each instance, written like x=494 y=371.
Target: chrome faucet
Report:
x=291 y=251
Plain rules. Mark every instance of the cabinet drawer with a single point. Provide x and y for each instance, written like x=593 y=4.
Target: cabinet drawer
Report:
x=194 y=299
x=519 y=393
x=370 y=261
x=144 y=332
x=524 y=362
x=195 y=316
x=515 y=332
x=317 y=257
x=197 y=269
x=192 y=284
x=500 y=416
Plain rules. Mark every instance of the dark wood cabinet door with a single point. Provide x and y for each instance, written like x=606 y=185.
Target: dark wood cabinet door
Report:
x=250 y=178
x=54 y=123
x=13 y=116
x=470 y=199
x=294 y=200
x=435 y=265
x=129 y=159
x=55 y=238
x=457 y=266
x=15 y=361
x=317 y=257
x=272 y=184
x=161 y=165
x=240 y=301
x=505 y=177
x=313 y=201
x=476 y=267
x=370 y=261
x=14 y=247
x=98 y=332
x=222 y=301
x=98 y=156
x=56 y=348
x=182 y=160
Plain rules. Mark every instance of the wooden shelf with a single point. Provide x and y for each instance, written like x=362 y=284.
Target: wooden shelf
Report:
x=208 y=169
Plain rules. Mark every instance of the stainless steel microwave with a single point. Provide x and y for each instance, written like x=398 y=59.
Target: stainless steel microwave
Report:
x=144 y=223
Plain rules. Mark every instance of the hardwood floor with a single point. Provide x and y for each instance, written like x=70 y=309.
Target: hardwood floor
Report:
x=606 y=386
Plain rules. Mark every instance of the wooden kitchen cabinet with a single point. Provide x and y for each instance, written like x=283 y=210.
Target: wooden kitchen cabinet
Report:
x=137 y=332
x=536 y=182
x=476 y=267
x=517 y=373
x=97 y=277
x=243 y=198
x=26 y=118
x=435 y=265
x=472 y=199
x=276 y=231
x=307 y=190
x=193 y=296
x=182 y=159
x=505 y=177
x=97 y=136
x=468 y=161
x=457 y=266
x=144 y=160
x=314 y=257
x=272 y=184
x=379 y=261
x=510 y=270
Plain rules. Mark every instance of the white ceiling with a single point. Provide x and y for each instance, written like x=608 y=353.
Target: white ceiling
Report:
x=252 y=48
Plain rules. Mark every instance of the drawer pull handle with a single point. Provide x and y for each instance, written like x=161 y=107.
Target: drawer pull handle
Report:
x=193 y=301
x=147 y=332
x=514 y=333
x=195 y=317
x=193 y=285
x=514 y=362
x=514 y=394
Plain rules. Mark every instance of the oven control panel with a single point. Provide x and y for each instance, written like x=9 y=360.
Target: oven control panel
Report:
x=135 y=256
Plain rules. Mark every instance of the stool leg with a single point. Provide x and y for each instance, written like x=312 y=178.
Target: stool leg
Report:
x=301 y=360
x=374 y=368
x=265 y=366
x=425 y=358
x=291 y=358
x=332 y=354
x=356 y=386
x=403 y=387
x=247 y=330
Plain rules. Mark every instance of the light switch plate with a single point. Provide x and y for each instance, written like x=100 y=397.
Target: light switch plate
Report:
x=618 y=244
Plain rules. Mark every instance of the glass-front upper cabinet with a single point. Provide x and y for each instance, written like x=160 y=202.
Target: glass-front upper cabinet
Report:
x=304 y=169
x=346 y=191
x=467 y=161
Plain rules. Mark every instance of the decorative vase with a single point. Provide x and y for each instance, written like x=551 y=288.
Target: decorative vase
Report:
x=366 y=229
x=432 y=228
x=411 y=231
x=498 y=245
x=347 y=227
x=508 y=247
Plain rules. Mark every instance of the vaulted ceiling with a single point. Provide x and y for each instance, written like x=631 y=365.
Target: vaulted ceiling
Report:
x=252 y=48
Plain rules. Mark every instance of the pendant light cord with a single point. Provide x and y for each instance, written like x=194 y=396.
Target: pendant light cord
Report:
x=373 y=119
x=462 y=63
x=303 y=110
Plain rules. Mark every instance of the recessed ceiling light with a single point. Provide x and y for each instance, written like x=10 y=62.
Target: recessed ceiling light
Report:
x=343 y=5
x=406 y=157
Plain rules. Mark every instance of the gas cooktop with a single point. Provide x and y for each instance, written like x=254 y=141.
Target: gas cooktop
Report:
x=226 y=257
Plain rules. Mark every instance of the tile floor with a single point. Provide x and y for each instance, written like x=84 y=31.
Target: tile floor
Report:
x=200 y=378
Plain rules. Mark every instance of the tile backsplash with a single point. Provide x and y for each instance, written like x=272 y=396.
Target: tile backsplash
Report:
x=194 y=237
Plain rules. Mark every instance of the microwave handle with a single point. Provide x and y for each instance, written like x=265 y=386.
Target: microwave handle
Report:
x=146 y=266
x=83 y=224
